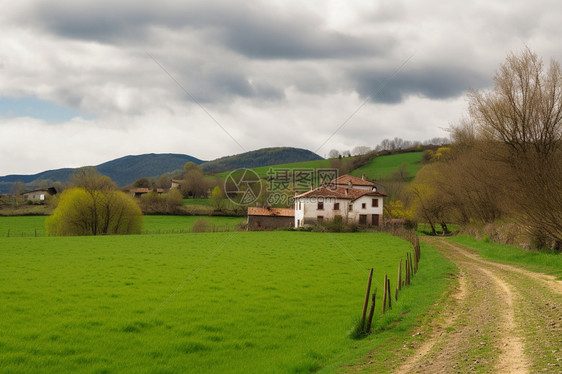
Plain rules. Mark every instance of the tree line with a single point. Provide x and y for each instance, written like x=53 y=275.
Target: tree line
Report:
x=505 y=161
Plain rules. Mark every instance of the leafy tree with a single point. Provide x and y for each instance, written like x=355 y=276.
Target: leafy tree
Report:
x=94 y=207
x=82 y=212
x=143 y=183
x=217 y=196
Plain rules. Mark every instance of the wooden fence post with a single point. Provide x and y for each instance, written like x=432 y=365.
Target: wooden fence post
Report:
x=385 y=293
x=399 y=287
x=371 y=312
x=367 y=294
x=389 y=297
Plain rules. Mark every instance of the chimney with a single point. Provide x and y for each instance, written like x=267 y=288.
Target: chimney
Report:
x=363 y=177
x=346 y=191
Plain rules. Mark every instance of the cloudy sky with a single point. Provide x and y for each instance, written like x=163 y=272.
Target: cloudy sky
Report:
x=85 y=82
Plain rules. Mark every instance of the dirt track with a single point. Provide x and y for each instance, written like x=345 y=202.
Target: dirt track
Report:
x=501 y=319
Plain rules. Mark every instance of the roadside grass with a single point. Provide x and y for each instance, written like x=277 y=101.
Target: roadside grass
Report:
x=29 y=225
x=383 y=166
x=424 y=229
x=548 y=262
x=391 y=343
x=241 y=302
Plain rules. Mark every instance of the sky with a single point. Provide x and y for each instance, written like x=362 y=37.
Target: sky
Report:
x=89 y=81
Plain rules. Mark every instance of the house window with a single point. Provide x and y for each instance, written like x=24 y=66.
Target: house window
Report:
x=375 y=203
x=320 y=219
x=350 y=207
x=363 y=205
x=320 y=205
x=336 y=206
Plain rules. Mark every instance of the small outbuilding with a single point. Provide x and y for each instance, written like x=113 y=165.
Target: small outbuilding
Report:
x=39 y=195
x=270 y=218
x=138 y=192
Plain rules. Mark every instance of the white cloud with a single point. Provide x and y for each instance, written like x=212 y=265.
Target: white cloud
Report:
x=278 y=73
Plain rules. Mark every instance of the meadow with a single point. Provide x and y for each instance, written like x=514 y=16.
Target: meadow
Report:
x=237 y=302
x=35 y=225
x=383 y=166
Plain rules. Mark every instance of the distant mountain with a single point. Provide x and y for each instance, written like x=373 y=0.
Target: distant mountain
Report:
x=261 y=157
x=123 y=171
x=126 y=170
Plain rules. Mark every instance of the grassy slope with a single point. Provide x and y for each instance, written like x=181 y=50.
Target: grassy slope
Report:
x=262 y=171
x=152 y=224
x=384 y=165
x=541 y=261
x=225 y=302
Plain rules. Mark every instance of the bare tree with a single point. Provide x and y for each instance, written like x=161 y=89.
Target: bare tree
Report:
x=361 y=150
x=334 y=153
x=520 y=123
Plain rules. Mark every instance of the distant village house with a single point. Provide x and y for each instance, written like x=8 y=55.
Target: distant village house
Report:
x=269 y=218
x=39 y=195
x=138 y=192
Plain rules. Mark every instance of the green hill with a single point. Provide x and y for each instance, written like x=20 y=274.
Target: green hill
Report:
x=383 y=166
x=260 y=158
x=123 y=171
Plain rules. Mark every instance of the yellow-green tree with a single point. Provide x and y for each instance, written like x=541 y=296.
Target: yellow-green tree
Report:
x=217 y=196
x=80 y=212
x=94 y=207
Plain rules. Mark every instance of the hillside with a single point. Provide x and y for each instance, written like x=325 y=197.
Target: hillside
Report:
x=126 y=170
x=260 y=158
x=383 y=166
x=123 y=171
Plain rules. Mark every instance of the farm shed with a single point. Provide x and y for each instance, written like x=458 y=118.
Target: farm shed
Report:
x=39 y=195
x=269 y=218
x=138 y=192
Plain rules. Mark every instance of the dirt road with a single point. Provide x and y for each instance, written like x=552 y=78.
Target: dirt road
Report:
x=501 y=319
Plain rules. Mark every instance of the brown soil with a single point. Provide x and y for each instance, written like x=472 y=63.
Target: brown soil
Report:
x=501 y=319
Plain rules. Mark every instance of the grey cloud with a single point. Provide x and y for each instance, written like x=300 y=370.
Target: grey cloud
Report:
x=254 y=31
x=432 y=82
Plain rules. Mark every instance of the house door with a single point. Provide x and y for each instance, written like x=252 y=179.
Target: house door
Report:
x=375 y=219
x=362 y=219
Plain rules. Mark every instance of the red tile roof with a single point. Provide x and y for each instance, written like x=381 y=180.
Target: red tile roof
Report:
x=146 y=190
x=279 y=212
x=340 y=193
x=356 y=181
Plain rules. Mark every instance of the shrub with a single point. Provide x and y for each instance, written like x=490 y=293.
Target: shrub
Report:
x=200 y=225
x=82 y=212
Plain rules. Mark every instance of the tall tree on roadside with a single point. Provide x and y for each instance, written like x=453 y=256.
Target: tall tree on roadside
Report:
x=519 y=124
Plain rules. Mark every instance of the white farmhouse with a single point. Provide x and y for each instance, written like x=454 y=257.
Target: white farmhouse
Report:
x=355 y=199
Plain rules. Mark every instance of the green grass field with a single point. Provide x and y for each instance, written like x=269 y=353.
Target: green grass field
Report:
x=178 y=224
x=240 y=302
x=383 y=166
x=29 y=225
x=205 y=202
x=547 y=262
